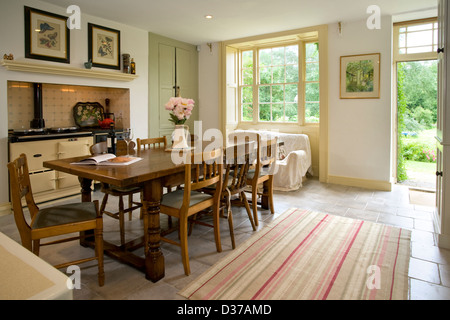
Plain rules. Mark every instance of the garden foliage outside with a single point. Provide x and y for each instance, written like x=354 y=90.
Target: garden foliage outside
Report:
x=417 y=115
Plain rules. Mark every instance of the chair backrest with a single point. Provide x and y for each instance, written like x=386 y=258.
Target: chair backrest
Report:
x=238 y=159
x=203 y=173
x=266 y=148
x=99 y=148
x=160 y=142
x=20 y=187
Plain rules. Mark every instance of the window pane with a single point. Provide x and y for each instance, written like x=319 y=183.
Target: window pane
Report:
x=420 y=49
x=264 y=94
x=247 y=59
x=265 y=75
x=420 y=27
x=292 y=55
x=248 y=76
x=247 y=112
x=420 y=38
x=264 y=112
x=291 y=92
x=312 y=52
x=312 y=92
x=265 y=58
x=312 y=71
x=278 y=56
x=292 y=73
x=278 y=74
x=277 y=112
x=247 y=94
x=312 y=112
x=291 y=112
x=402 y=40
x=277 y=94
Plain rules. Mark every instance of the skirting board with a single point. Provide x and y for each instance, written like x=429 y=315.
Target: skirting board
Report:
x=5 y=209
x=361 y=183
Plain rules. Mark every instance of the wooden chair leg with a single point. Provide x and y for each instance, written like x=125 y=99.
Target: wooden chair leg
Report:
x=255 y=204
x=36 y=246
x=247 y=207
x=270 y=195
x=184 y=245
x=130 y=204
x=216 y=219
x=231 y=227
x=99 y=251
x=104 y=201
x=121 y=221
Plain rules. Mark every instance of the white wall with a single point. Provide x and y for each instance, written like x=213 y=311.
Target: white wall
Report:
x=208 y=86
x=360 y=129
x=133 y=41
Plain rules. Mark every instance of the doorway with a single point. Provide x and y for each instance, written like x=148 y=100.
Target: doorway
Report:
x=417 y=116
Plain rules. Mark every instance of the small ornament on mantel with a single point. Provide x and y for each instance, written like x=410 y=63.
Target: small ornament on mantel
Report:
x=133 y=66
x=8 y=56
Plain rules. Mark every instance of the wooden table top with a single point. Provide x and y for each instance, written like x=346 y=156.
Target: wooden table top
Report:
x=155 y=163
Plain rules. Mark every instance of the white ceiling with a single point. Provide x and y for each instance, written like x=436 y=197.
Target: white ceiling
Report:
x=184 y=19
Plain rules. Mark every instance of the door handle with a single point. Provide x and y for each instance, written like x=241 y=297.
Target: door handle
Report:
x=439 y=173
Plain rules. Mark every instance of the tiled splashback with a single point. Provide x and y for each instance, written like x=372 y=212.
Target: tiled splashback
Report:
x=58 y=102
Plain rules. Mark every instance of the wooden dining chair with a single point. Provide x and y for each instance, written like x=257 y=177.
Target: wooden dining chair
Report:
x=262 y=173
x=238 y=159
x=53 y=221
x=262 y=169
x=110 y=190
x=202 y=170
x=160 y=142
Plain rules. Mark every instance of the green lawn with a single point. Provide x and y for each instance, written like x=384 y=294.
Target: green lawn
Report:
x=422 y=167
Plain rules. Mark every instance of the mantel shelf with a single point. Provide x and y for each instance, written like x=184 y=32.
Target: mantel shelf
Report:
x=25 y=66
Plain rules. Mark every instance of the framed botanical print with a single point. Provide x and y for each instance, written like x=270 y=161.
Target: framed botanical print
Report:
x=46 y=36
x=360 y=76
x=104 y=46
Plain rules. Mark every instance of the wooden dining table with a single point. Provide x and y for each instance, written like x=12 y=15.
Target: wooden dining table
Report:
x=152 y=173
x=158 y=168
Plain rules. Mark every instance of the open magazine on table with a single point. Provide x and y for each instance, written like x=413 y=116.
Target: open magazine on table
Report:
x=108 y=159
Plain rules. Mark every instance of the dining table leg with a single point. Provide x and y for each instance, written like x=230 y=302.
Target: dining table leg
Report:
x=154 y=259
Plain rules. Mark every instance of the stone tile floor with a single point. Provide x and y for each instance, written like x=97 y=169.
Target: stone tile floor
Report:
x=429 y=271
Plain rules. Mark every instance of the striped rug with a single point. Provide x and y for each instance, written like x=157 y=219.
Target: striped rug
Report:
x=306 y=255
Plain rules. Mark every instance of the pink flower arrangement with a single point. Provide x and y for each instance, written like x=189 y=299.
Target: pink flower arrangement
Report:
x=430 y=154
x=181 y=109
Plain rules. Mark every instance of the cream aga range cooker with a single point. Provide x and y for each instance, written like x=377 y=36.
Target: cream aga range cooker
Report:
x=43 y=144
x=50 y=144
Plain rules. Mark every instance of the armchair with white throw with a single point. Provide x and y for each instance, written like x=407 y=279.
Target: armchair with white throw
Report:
x=294 y=159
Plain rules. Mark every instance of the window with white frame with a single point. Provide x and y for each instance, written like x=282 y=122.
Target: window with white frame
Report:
x=273 y=86
x=416 y=38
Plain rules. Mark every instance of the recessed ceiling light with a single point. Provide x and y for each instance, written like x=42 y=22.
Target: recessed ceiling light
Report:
x=208 y=16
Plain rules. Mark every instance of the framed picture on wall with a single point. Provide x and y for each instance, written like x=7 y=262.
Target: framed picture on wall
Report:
x=360 y=76
x=46 y=36
x=103 y=46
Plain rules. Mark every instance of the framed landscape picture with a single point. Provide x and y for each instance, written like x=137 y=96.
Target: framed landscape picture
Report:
x=360 y=76
x=103 y=46
x=46 y=36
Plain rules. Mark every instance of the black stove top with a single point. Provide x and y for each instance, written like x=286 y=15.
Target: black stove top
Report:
x=21 y=135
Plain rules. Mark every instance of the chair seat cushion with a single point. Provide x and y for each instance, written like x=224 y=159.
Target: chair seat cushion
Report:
x=64 y=214
x=263 y=172
x=175 y=199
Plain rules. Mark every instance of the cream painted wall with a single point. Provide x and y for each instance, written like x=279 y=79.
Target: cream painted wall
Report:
x=133 y=41
x=208 y=71
x=360 y=129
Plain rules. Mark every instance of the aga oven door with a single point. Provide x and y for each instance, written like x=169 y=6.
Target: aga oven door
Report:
x=68 y=149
